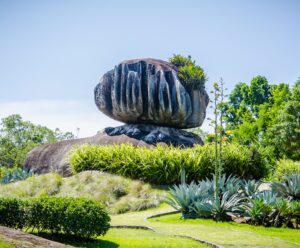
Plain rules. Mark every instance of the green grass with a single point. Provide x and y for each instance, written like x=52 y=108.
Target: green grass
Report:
x=142 y=238
x=288 y=234
x=227 y=234
x=119 y=194
x=4 y=244
x=128 y=238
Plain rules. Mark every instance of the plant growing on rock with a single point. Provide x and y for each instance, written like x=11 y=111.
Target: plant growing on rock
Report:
x=190 y=74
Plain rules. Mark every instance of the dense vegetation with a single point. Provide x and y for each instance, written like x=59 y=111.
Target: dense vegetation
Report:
x=278 y=206
x=164 y=165
x=18 y=137
x=118 y=194
x=265 y=114
x=72 y=216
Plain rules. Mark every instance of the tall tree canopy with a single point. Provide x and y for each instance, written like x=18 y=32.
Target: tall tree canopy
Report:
x=18 y=137
x=265 y=113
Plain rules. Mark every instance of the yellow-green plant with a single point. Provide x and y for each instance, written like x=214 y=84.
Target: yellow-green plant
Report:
x=163 y=164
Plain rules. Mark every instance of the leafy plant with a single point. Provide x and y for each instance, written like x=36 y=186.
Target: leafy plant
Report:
x=250 y=188
x=184 y=196
x=163 y=165
x=285 y=167
x=220 y=209
x=15 y=174
x=190 y=74
x=73 y=216
x=13 y=212
x=289 y=188
x=198 y=200
x=259 y=209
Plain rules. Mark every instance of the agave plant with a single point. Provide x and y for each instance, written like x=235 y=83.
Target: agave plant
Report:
x=16 y=174
x=259 y=208
x=250 y=188
x=223 y=208
x=266 y=208
x=230 y=184
x=183 y=197
x=290 y=188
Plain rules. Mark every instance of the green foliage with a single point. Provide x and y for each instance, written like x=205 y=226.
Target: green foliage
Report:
x=285 y=167
x=221 y=208
x=284 y=134
x=289 y=188
x=14 y=174
x=190 y=74
x=18 y=137
x=163 y=164
x=266 y=114
x=239 y=198
x=118 y=194
x=13 y=212
x=268 y=209
x=72 y=216
x=250 y=188
x=184 y=196
x=198 y=200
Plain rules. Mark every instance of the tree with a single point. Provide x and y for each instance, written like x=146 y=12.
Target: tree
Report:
x=285 y=132
x=259 y=93
x=18 y=137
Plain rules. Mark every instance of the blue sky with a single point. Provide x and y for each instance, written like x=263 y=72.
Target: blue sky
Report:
x=52 y=53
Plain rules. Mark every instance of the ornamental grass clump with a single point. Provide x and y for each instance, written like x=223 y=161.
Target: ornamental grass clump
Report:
x=164 y=164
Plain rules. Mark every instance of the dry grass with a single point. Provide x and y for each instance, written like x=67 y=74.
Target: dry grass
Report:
x=119 y=194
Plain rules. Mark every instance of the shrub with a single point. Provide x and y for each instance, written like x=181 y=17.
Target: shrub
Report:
x=13 y=212
x=286 y=167
x=190 y=74
x=163 y=164
x=72 y=216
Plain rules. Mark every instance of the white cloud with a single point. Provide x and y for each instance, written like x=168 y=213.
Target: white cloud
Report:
x=65 y=115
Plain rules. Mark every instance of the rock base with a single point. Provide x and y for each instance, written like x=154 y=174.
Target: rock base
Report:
x=152 y=134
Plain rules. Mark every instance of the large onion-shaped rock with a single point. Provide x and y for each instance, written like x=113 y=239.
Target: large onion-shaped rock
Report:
x=149 y=91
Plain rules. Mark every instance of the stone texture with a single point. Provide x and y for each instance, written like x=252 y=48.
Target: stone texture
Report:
x=153 y=135
x=55 y=157
x=148 y=91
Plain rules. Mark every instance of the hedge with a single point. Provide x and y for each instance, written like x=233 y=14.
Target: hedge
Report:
x=72 y=216
x=163 y=164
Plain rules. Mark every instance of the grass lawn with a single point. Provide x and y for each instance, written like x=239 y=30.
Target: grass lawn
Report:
x=130 y=238
x=228 y=234
x=6 y=243
x=142 y=238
